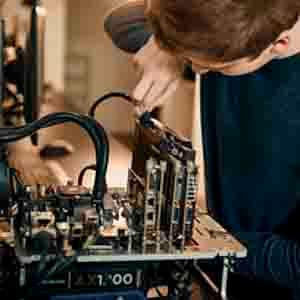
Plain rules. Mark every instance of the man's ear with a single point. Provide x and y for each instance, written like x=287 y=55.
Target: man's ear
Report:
x=282 y=44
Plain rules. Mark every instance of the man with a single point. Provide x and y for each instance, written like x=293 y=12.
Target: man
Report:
x=248 y=53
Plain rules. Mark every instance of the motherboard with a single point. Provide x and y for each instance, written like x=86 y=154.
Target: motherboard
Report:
x=66 y=241
x=74 y=242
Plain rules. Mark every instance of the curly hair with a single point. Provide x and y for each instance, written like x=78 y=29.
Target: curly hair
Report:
x=221 y=30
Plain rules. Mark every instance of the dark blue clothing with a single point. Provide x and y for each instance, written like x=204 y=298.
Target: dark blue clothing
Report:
x=251 y=137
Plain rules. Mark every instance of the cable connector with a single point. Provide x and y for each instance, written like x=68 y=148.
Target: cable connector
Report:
x=146 y=120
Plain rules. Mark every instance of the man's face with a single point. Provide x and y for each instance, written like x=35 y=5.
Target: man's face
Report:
x=237 y=67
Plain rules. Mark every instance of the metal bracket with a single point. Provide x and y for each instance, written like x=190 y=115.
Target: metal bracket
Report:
x=228 y=262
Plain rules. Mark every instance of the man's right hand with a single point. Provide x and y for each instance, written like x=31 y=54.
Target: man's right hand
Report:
x=161 y=75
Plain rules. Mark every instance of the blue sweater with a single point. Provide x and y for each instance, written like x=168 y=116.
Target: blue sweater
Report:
x=251 y=137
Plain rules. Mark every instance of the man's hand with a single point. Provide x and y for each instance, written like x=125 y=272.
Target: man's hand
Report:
x=26 y=160
x=161 y=75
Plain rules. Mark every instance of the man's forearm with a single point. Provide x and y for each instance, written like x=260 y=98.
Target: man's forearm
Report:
x=271 y=258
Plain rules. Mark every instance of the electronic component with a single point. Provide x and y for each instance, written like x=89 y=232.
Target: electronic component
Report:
x=170 y=180
x=70 y=240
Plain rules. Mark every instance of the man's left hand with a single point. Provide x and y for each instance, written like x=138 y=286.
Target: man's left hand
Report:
x=27 y=161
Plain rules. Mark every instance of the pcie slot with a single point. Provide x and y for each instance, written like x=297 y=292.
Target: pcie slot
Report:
x=132 y=182
x=152 y=178
x=189 y=202
x=175 y=202
x=136 y=190
x=183 y=201
x=163 y=169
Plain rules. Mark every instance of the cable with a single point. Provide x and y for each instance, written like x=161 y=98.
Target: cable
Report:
x=93 y=128
x=83 y=171
x=105 y=97
x=145 y=118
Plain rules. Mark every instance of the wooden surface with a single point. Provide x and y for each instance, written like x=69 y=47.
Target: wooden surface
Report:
x=84 y=155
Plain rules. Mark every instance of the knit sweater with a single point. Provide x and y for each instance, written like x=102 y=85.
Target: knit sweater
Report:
x=251 y=130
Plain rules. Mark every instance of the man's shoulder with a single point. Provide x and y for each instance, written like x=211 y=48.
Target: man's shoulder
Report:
x=282 y=68
x=283 y=73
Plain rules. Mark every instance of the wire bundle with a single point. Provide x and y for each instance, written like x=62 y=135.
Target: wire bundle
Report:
x=93 y=128
x=145 y=119
x=108 y=96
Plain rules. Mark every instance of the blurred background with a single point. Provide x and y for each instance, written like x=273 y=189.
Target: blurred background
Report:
x=82 y=64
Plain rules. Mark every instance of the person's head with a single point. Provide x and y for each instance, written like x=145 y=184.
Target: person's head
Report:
x=230 y=36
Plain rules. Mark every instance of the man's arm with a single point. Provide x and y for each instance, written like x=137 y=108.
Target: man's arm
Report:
x=161 y=73
x=272 y=258
x=25 y=157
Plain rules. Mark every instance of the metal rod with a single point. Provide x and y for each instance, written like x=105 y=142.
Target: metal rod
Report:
x=225 y=272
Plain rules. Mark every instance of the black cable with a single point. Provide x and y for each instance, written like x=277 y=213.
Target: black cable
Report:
x=105 y=97
x=145 y=118
x=94 y=129
x=83 y=171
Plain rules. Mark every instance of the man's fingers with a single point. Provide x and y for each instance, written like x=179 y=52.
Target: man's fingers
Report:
x=154 y=95
x=160 y=72
x=25 y=179
x=39 y=176
x=156 y=92
x=60 y=174
x=165 y=96
x=163 y=92
x=139 y=110
x=143 y=88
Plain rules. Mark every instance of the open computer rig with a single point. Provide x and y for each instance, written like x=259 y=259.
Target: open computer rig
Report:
x=71 y=242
